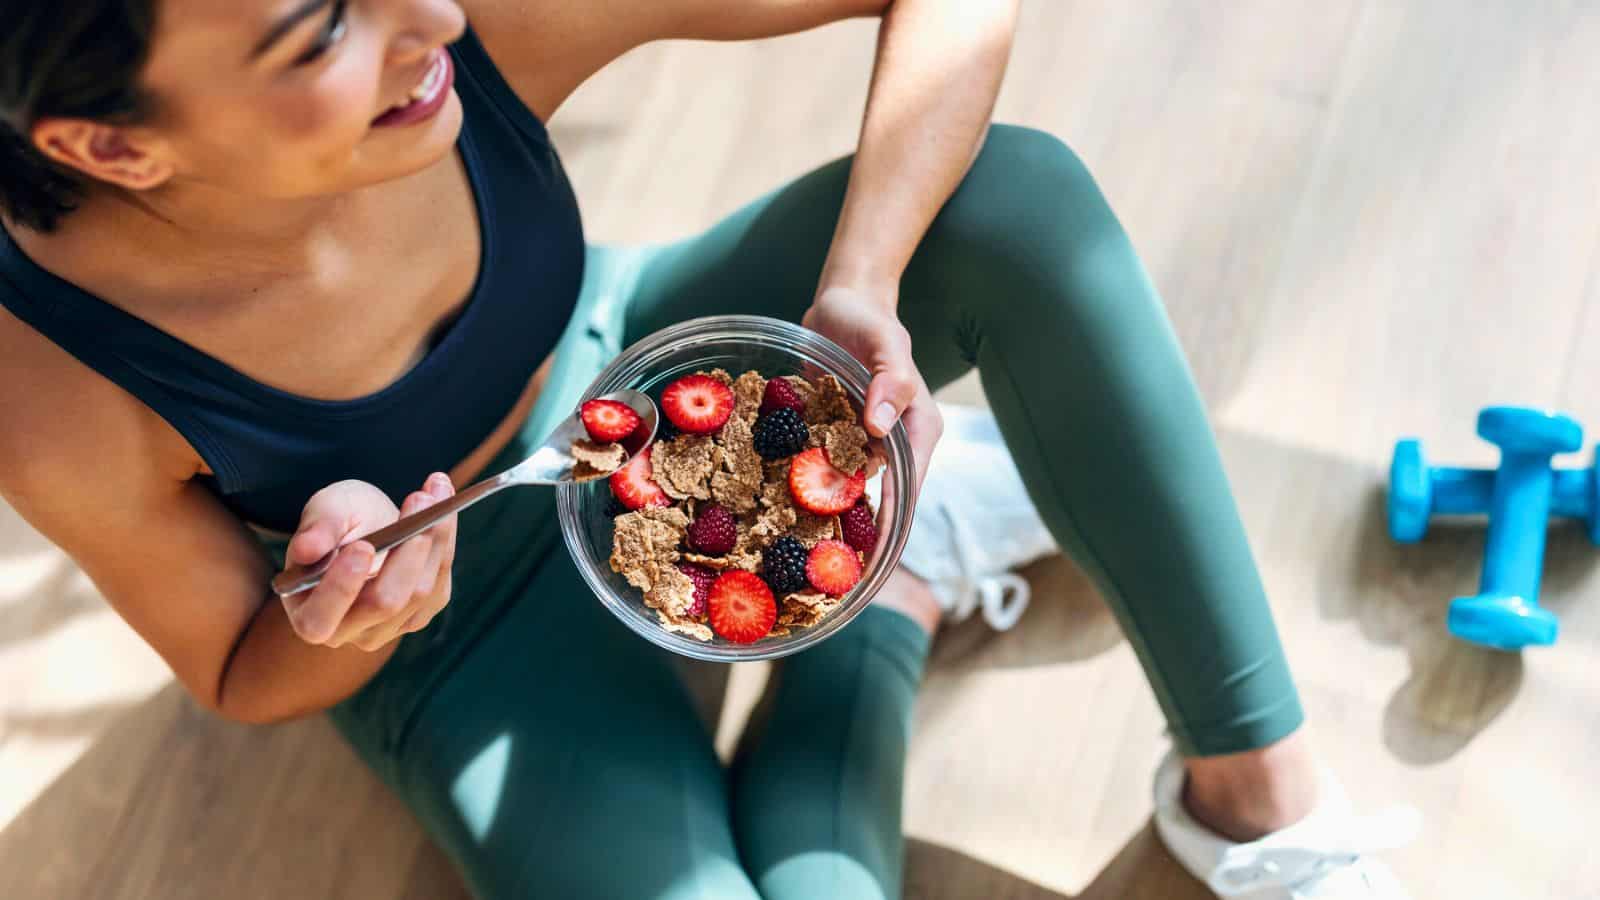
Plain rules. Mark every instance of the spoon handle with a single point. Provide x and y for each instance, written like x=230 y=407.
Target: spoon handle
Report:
x=295 y=579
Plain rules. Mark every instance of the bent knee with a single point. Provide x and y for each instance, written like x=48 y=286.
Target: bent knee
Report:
x=1027 y=193
x=1023 y=181
x=1024 y=152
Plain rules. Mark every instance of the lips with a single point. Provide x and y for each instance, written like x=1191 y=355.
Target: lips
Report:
x=426 y=99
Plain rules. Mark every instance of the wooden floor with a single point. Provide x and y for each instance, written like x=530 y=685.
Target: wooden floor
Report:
x=1369 y=218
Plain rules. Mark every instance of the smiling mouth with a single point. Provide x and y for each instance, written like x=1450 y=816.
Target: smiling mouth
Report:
x=426 y=98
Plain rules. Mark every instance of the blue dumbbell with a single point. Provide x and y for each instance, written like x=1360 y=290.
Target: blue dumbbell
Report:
x=1519 y=498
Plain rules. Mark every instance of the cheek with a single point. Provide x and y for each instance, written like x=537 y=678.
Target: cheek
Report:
x=333 y=113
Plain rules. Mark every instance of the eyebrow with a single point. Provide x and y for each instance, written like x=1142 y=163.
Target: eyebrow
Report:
x=287 y=24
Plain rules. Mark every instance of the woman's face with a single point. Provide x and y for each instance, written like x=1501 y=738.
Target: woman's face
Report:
x=300 y=98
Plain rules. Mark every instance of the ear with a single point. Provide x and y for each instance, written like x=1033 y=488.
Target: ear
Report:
x=107 y=153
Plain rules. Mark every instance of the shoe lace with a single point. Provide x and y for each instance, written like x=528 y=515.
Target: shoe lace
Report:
x=1002 y=596
x=1300 y=863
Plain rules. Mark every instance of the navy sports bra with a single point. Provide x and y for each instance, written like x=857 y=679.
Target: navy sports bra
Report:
x=269 y=450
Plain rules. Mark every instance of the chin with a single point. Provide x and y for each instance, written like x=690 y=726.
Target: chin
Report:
x=388 y=154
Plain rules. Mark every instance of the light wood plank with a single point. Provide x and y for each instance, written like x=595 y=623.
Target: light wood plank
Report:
x=1369 y=219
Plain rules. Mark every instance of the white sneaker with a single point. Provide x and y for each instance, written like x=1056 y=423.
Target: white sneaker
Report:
x=1323 y=856
x=975 y=523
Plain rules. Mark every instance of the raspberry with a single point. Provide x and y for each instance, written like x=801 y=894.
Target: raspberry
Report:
x=785 y=565
x=713 y=532
x=859 y=530
x=703 y=579
x=780 y=394
x=779 y=434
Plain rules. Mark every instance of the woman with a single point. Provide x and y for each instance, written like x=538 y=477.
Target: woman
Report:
x=210 y=340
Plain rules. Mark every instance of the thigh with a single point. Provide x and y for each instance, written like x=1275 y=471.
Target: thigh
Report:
x=564 y=759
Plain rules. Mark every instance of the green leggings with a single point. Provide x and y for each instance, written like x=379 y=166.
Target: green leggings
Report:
x=552 y=753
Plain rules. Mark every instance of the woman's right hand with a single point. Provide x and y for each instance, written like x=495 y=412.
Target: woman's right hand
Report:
x=365 y=601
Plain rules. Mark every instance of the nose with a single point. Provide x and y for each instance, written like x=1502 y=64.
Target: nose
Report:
x=423 y=25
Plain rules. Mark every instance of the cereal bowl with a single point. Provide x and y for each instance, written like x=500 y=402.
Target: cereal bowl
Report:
x=737 y=344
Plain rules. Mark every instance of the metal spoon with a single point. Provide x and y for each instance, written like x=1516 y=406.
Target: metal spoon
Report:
x=552 y=463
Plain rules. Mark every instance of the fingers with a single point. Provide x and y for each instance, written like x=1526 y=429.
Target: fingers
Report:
x=431 y=608
x=398 y=584
x=313 y=541
x=415 y=585
x=443 y=532
x=924 y=426
x=316 y=615
x=894 y=387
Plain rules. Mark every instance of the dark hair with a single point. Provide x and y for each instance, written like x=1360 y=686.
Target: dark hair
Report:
x=76 y=59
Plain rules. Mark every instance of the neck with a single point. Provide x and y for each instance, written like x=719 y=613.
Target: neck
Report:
x=197 y=230
x=200 y=218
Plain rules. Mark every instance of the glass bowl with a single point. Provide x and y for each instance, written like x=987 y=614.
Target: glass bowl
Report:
x=736 y=344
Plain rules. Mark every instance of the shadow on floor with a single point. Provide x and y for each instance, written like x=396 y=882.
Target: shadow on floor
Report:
x=172 y=802
x=1066 y=621
x=1455 y=689
x=1320 y=524
x=1141 y=870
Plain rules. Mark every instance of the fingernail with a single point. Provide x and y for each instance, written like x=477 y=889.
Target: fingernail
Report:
x=438 y=485
x=355 y=561
x=883 y=416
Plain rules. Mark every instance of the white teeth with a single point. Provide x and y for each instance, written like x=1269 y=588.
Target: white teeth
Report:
x=430 y=82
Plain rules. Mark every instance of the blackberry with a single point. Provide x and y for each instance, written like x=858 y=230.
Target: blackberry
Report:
x=785 y=565
x=780 y=433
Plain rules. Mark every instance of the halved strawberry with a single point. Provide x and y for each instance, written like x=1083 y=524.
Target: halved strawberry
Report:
x=833 y=568
x=819 y=488
x=607 y=420
x=742 y=607
x=634 y=487
x=697 y=404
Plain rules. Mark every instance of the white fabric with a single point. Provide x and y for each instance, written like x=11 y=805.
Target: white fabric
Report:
x=1325 y=856
x=975 y=523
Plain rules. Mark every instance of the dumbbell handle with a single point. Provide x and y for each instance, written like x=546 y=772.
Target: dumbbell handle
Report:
x=1466 y=492
x=1519 y=512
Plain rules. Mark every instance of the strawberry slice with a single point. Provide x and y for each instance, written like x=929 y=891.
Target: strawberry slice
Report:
x=833 y=568
x=697 y=404
x=742 y=606
x=633 y=486
x=608 y=420
x=817 y=487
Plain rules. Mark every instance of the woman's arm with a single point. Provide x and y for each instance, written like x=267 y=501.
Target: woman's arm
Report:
x=938 y=71
x=112 y=486
x=939 y=68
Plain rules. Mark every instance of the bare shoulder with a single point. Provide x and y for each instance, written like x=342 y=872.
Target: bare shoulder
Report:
x=68 y=430
x=111 y=484
x=547 y=48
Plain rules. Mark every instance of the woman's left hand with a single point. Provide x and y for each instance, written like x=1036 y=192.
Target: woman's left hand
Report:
x=864 y=323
